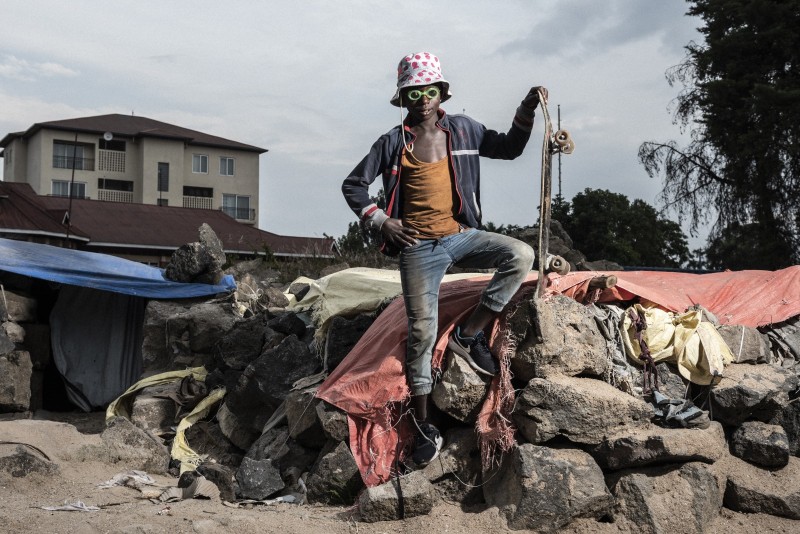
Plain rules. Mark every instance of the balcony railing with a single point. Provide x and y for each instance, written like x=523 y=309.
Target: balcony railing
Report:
x=112 y=160
x=203 y=203
x=66 y=162
x=110 y=195
x=240 y=214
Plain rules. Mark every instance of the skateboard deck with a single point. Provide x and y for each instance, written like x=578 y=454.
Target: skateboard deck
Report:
x=560 y=141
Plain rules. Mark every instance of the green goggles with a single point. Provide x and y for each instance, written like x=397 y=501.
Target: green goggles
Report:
x=431 y=92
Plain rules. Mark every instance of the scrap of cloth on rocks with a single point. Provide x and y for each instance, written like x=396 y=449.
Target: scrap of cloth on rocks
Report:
x=370 y=384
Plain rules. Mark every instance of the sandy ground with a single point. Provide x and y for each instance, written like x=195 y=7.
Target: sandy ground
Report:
x=67 y=438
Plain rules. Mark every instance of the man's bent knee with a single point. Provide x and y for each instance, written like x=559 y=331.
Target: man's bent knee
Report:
x=522 y=257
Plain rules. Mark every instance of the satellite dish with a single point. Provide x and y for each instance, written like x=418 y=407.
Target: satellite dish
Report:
x=108 y=136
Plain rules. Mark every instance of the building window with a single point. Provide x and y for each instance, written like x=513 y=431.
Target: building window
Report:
x=205 y=192
x=117 y=145
x=163 y=176
x=61 y=188
x=70 y=155
x=114 y=185
x=162 y=201
x=238 y=207
x=226 y=166
x=200 y=163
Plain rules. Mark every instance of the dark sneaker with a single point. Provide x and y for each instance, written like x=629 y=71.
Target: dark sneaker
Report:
x=475 y=350
x=428 y=444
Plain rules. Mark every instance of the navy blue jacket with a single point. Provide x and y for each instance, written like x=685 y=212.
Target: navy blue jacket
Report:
x=467 y=140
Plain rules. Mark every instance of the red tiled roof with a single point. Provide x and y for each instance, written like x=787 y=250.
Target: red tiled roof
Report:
x=143 y=226
x=132 y=126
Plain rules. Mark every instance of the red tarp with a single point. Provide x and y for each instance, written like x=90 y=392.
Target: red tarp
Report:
x=370 y=382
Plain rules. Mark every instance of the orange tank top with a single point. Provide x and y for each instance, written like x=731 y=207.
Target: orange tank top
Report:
x=428 y=197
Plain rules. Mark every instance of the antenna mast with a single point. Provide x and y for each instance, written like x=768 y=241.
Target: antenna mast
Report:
x=560 y=198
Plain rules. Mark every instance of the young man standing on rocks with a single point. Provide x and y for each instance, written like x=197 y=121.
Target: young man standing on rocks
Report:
x=431 y=177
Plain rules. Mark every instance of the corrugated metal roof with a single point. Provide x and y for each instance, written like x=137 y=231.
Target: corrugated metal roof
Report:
x=132 y=126
x=142 y=226
x=21 y=212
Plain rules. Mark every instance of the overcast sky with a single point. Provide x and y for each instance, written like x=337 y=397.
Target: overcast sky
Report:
x=311 y=81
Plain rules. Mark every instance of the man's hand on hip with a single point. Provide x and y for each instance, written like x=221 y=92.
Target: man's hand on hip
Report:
x=397 y=234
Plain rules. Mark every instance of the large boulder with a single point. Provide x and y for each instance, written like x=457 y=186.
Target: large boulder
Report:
x=556 y=336
x=335 y=477
x=544 y=489
x=789 y=420
x=6 y=344
x=289 y=323
x=129 y=445
x=154 y=411
x=258 y=479
x=333 y=421
x=660 y=446
x=238 y=430
x=199 y=262
x=16 y=371
x=14 y=332
x=18 y=307
x=301 y=416
x=343 y=334
x=206 y=438
x=461 y=391
x=402 y=497
x=753 y=490
x=194 y=334
x=167 y=337
x=456 y=473
x=747 y=344
x=680 y=498
x=244 y=342
x=761 y=444
x=758 y=392
x=583 y=410
x=266 y=382
x=23 y=461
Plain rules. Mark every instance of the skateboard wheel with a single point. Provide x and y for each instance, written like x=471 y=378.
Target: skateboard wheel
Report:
x=559 y=265
x=562 y=138
x=570 y=148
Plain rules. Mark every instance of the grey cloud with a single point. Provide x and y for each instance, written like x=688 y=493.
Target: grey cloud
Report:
x=587 y=26
x=24 y=70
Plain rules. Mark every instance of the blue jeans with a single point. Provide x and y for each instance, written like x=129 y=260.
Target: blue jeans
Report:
x=422 y=267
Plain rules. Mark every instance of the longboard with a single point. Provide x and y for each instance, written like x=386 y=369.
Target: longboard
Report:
x=560 y=141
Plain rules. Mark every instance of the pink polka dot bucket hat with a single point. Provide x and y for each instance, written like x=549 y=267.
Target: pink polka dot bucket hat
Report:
x=422 y=68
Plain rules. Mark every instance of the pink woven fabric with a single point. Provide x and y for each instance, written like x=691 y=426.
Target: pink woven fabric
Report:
x=370 y=383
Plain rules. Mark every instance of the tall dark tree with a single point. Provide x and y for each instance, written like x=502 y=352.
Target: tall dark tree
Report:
x=355 y=241
x=741 y=103
x=359 y=239
x=733 y=248
x=606 y=225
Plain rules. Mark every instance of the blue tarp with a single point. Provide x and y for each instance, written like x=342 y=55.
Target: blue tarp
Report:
x=99 y=271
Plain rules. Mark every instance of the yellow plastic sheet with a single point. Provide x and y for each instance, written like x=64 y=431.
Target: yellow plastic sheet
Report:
x=121 y=406
x=694 y=346
x=181 y=450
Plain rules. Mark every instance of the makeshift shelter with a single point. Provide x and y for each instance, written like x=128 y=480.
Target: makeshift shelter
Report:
x=96 y=322
x=370 y=383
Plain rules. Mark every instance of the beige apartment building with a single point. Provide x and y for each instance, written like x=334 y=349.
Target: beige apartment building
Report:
x=125 y=158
